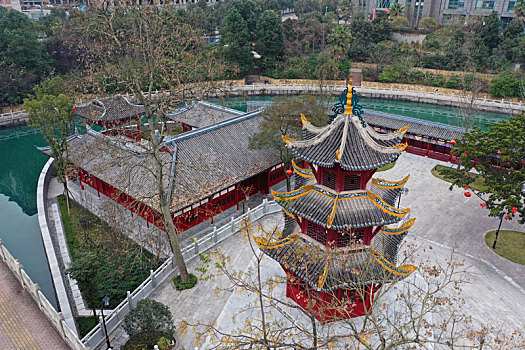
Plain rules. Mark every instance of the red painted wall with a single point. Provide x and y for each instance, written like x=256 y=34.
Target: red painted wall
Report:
x=328 y=307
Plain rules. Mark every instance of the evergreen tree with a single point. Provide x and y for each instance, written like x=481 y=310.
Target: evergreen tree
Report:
x=22 y=60
x=270 y=37
x=236 y=40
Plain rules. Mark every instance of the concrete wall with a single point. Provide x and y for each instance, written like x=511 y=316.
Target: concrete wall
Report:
x=408 y=38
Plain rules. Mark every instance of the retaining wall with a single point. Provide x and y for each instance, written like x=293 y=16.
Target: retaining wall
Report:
x=41 y=201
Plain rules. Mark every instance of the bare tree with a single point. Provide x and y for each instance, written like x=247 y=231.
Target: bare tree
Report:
x=137 y=49
x=423 y=311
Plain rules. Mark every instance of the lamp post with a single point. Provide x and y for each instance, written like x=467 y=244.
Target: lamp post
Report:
x=105 y=301
x=403 y=191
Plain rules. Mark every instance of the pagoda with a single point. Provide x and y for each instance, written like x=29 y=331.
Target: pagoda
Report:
x=350 y=229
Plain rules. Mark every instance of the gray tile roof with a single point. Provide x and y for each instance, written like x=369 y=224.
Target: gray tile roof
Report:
x=415 y=126
x=362 y=148
x=118 y=164
x=346 y=268
x=109 y=109
x=213 y=159
x=353 y=209
x=202 y=114
x=207 y=160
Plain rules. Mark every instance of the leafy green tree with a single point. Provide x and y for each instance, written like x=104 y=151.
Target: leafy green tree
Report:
x=51 y=112
x=149 y=321
x=506 y=85
x=270 y=38
x=22 y=59
x=236 y=40
x=249 y=11
x=339 y=40
x=302 y=7
x=84 y=269
x=512 y=37
x=283 y=117
x=346 y=9
x=428 y=23
x=396 y=10
x=488 y=30
x=399 y=22
x=519 y=8
x=498 y=156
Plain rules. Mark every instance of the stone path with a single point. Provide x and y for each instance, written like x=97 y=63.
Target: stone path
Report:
x=448 y=217
x=445 y=220
x=22 y=325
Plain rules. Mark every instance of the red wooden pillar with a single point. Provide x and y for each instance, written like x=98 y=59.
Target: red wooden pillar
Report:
x=237 y=196
x=428 y=147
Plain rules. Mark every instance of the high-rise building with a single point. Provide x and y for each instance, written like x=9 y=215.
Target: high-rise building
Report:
x=444 y=10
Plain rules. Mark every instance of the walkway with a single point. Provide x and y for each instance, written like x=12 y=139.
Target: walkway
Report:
x=22 y=325
x=445 y=220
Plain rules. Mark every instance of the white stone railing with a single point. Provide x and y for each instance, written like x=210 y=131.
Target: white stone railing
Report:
x=96 y=336
x=56 y=318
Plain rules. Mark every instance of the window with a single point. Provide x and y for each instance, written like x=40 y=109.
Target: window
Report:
x=352 y=182
x=510 y=8
x=456 y=4
x=329 y=179
x=316 y=232
x=484 y=4
x=345 y=239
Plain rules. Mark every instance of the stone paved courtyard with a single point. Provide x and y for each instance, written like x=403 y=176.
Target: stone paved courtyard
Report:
x=446 y=221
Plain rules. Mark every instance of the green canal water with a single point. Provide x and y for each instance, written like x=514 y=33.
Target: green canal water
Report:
x=433 y=113
x=21 y=163
x=20 y=166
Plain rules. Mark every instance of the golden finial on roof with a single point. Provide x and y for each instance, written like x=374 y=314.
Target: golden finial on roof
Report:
x=348 y=108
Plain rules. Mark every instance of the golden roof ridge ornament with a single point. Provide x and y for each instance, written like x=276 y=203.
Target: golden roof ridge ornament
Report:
x=348 y=108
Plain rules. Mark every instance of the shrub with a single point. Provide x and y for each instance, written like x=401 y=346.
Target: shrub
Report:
x=452 y=83
x=149 y=321
x=394 y=73
x=399 y=22
x=428 y=23
x=181 y=286
x=505 y=85
x=164 y=343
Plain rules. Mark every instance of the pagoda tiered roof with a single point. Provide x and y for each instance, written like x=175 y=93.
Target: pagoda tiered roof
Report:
x=348 y=209
x=349 y=142
x=330 y=269
x=110 y=109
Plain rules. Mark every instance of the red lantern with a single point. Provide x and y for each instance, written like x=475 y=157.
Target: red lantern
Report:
x=289 y=172
x=514 y=210
x=467 y=194
x=483 y=205
x=507 y=217
x=499 y=152
x=465 y=188
x=454 y=158
x=464 y=154
x=453 y=142
x=75 y=108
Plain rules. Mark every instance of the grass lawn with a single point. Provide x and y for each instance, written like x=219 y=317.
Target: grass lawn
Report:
x=386 y=167
x=511 y=245
x=477 y=185
x=122 y=265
